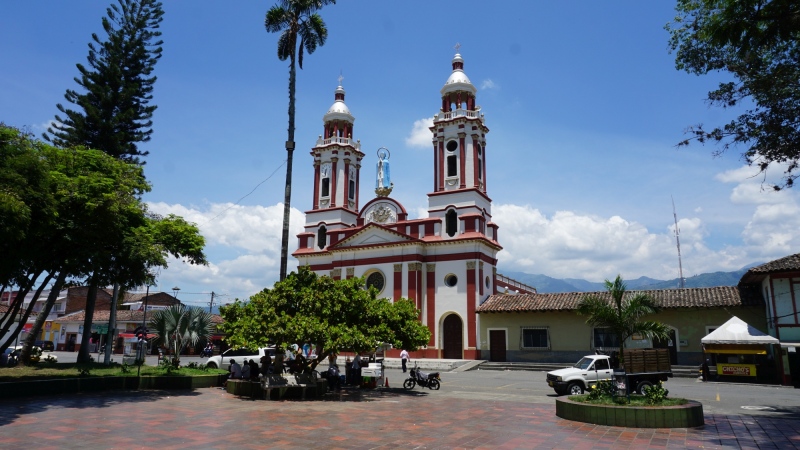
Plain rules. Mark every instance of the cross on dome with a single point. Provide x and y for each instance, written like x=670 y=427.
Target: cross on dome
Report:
x=340 y=78
x=457 y=46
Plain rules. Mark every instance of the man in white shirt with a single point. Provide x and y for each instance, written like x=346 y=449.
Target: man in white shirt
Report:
x=404 y=357
x=236 y=370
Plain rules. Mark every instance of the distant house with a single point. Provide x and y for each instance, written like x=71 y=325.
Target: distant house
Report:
x=127 y=321
x=779 y=282
x=546 y=327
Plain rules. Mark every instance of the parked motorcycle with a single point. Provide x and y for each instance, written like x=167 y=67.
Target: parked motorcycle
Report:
x=428 y=380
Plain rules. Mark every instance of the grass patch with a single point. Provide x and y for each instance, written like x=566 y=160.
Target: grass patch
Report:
x=74 y=370
x=636 y=400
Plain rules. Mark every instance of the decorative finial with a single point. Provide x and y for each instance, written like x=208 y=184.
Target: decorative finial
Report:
x=340 y=78
x=383 y=182
x=457 y=46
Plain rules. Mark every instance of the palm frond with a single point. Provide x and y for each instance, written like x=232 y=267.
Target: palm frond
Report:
x=285 y=45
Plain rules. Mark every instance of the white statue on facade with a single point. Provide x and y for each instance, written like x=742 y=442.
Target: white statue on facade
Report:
x=383 y=182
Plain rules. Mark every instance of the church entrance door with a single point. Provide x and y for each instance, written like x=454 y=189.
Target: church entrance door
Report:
x=453 y=331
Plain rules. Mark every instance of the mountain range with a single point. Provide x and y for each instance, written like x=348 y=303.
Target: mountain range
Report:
x=545 y=284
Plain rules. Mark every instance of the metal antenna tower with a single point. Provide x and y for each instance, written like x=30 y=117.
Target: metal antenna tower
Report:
x=678 y=240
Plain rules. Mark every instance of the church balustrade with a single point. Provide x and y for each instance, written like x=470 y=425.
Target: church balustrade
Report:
x=459 y=113
x=340 y=141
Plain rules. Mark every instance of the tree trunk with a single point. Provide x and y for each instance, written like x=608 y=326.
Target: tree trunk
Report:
x=91 y=300
x=41 y=318
x=287 y=200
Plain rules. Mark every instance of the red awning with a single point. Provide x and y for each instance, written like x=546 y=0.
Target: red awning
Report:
x=127 y=335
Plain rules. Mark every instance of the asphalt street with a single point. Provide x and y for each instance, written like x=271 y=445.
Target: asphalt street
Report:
x=530 y=387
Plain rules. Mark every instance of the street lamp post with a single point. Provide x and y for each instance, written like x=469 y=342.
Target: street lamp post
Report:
x=175 y=292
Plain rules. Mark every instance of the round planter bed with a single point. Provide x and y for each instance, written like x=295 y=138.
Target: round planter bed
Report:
x=681 y=416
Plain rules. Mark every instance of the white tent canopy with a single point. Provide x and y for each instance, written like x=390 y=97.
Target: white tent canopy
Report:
x=737 y=331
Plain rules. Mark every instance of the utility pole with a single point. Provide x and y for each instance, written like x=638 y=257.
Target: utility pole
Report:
x=678 y=240
x=211 y=304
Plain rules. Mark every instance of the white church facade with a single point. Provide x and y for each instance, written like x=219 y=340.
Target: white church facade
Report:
x=446 y=263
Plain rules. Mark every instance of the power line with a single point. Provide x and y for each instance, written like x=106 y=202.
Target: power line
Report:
x=245 y=196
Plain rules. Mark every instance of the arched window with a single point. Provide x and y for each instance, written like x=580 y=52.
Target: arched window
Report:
x=452 y=159
x=322 y=237
x=451 y=222
x=325 y=190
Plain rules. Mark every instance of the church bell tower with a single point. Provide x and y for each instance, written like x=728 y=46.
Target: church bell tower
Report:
x=337 y=163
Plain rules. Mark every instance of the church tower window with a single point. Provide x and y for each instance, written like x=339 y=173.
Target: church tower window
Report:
x=322 y=237
x=352 y=190
x=451 y=222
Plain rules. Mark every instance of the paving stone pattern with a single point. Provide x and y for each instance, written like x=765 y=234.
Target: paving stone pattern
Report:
x=353 y=419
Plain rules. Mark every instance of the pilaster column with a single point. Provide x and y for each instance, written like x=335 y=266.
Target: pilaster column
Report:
x=398 y=282
x=346 y=201
x=414 y=282
x=480 y=278
x=441 y=163
x=462 y=157
x=483 y=146
x=430 y=302
x=471 y=302
x=334 y=180
x=476 y=182
x=358 y=182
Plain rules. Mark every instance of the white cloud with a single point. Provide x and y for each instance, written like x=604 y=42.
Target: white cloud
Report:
x=571 y=245
x=489 y=84
x=421 y=136
x=242 y=246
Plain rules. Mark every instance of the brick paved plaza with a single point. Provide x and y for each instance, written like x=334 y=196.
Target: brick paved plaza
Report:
x=393 y=418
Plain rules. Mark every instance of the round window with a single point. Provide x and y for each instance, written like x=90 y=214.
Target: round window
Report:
x=375 y=279
x=452 y=146
x=451 y=280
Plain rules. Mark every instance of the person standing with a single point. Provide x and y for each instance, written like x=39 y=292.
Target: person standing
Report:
x=356 y=370
x=404 y=357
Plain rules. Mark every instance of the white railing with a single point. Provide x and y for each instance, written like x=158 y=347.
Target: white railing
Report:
x=460 y=113
x=340 y=141
x=513 y=283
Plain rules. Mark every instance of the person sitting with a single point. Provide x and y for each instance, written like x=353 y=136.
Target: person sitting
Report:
x=246 y=370
x=235 y=370
x=253 y=370
x=334 y=382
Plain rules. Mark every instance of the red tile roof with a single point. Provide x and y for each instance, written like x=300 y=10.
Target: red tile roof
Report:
x=666 y=299
x=789 y=263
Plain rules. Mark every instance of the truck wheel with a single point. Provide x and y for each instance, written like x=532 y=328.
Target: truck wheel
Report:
x=575 y=389
x=642 y=384
x=211 y=365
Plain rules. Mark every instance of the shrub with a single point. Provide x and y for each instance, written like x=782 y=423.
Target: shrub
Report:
x=655 y=394
x=603 y=388
x=49 y=359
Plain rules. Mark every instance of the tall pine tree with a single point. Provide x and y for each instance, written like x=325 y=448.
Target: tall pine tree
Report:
x=113 y=113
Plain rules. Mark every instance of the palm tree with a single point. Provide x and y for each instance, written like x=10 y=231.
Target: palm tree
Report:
x=179 y=326
x=293 y=18
x=624 y=316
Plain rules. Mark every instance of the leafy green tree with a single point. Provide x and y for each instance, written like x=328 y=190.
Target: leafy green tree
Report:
x=333 y=315
x=757 y=42
x=90 y=224
x=180 y=326
x=113 y=113
x=623 y=315
x=293 y=19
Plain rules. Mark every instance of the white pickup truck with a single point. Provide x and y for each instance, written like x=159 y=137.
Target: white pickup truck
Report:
x=574 y=380
x=240 y=355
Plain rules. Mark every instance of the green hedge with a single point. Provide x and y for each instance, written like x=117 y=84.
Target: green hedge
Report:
x=17 y=389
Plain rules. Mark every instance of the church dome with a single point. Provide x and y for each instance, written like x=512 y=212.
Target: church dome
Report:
x=339 y=110
x=458 y=80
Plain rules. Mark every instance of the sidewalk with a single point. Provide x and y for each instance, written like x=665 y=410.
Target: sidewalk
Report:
x=355 y=419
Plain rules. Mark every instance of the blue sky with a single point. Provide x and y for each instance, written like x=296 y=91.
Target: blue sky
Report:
x=582 y=99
